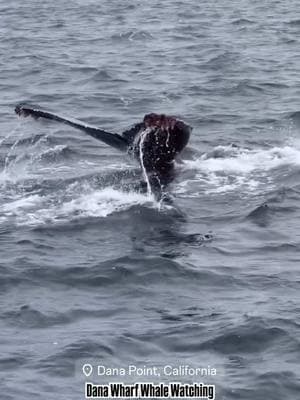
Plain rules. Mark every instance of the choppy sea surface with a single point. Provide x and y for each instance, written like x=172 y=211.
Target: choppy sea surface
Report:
x=94 y=272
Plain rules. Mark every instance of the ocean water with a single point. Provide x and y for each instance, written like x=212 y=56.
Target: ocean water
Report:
x=92 y=272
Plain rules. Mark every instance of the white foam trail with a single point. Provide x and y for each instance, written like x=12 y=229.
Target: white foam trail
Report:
x=227 y=168
x=103 y=202
x=245 y=161
x=37 y=210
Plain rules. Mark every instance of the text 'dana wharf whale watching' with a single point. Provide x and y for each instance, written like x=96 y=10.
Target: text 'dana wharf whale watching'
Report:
x=140 y=390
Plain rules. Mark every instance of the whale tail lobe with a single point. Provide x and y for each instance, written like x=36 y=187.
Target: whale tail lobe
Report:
x=111 y=139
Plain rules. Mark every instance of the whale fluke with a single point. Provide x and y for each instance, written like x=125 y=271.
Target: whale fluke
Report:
x=112 y=139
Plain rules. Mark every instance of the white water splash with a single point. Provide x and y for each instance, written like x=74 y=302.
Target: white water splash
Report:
x=16 y=160
x=25 y=168
x=227 y=168
x=10 y=153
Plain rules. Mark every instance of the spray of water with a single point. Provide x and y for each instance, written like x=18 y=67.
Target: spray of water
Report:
x=11 y=133
x=8 y=157
x=141 y=144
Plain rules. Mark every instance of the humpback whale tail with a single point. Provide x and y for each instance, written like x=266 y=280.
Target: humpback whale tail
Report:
x=112 y=139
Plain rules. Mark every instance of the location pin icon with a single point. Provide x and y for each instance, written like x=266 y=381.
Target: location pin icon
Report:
x=87 y=369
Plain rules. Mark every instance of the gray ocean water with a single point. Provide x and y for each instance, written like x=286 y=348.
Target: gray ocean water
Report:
x=92 y=272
